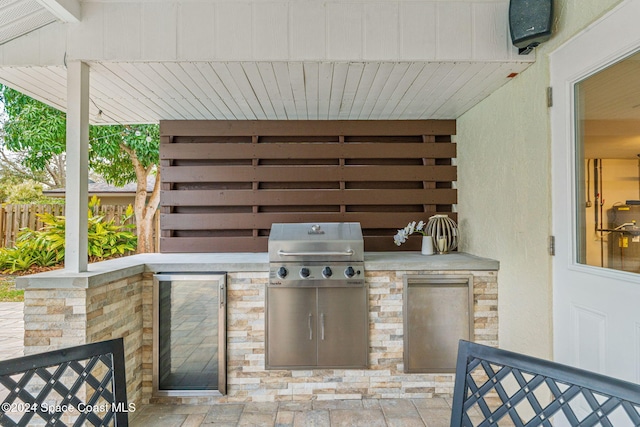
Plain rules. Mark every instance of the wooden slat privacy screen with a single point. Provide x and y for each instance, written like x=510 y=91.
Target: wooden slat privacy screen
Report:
x=225 y=182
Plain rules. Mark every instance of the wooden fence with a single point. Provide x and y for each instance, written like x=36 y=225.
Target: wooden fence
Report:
x=15 y=217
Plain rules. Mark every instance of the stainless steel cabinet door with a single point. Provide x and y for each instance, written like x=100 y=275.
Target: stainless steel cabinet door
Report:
x=291 y=327
x=438 y=312
x=343 y=327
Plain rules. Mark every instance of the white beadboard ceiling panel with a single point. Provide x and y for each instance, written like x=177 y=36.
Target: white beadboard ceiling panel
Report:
x=19 y=17
x=136 y=92
x=262 y=59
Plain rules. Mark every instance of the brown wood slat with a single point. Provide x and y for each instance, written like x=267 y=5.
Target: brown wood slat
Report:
x=307 y=173
x=440 y=196
x=304 y=150
x=306 y=127
x=213 y=244
x=385 y=243
x=260 y=244
x=226 y=182
x=164 y=186
x=429 y=141
x=249 y=221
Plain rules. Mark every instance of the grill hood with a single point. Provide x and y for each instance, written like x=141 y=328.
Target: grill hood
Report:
x=328 y=241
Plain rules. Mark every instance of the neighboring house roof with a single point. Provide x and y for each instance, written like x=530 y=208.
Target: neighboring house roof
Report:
x=104 y=188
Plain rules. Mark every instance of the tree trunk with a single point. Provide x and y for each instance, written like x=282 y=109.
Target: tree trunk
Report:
x=145 y=204
x=144 y=229
x=145 y=211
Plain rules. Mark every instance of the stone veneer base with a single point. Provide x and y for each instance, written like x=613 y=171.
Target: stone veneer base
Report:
x=66 y=316
x=57 y=318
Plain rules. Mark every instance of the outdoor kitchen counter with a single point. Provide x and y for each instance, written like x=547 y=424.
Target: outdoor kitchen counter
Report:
x=115 y=299
x=108 y=271
x=407 y=261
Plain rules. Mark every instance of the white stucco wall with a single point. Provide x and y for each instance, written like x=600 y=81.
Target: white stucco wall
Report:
x=505 y=187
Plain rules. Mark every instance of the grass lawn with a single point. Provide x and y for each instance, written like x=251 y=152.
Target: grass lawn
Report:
x=8 y=291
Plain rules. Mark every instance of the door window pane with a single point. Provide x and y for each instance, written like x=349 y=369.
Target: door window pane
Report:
x=608 y=167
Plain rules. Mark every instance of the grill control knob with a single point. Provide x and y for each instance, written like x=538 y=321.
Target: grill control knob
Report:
x=326 y=272
x=304 y=272
x=282 y=272
x=349 y=272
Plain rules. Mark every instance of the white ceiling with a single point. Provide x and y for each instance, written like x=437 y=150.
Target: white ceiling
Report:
x=613 y=93
x=610 y=101
x=146 y=92
x=20 y=17
x=462 y=48
x=139 y=92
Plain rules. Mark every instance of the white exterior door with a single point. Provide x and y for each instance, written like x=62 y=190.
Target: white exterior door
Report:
x=596 y=310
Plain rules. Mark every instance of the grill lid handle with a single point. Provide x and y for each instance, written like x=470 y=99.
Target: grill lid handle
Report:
x=348 y=252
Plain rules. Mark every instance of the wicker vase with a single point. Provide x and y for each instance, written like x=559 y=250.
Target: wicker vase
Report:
x=444 y=232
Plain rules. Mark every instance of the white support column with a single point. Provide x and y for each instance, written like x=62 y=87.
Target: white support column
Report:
x=76 y=258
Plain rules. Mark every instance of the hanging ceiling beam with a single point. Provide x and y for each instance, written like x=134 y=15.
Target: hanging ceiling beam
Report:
x=64 y=10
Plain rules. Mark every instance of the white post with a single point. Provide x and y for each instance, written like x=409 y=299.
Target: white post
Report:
x=77 y=176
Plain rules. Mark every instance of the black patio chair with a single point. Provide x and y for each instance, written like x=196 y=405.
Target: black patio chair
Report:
x=498 y=387
x=81 y=385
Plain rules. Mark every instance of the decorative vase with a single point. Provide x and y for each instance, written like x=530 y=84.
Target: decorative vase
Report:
x=444 y=232
x=427 y=245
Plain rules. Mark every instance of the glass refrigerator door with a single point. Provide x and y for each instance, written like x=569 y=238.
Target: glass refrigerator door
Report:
x=189 y=334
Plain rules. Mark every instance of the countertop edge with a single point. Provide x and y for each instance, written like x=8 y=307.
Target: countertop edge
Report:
x=115 y=269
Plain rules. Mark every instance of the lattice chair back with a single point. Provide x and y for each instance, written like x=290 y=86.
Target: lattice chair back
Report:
x=495 y=387
x=82 y=385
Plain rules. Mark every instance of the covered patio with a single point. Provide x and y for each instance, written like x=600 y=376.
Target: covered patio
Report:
x=149 y=61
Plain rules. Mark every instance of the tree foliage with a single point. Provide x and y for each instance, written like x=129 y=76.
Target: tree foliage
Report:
x=32 y=140
x=32 y=128
x=113 y=149
x=38 y=131
x=119 y=153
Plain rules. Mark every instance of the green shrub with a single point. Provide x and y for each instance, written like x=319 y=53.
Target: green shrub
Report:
x=45 y=247
x=25 y=192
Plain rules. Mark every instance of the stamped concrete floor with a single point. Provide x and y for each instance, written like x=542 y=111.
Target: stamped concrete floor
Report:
x=348 y=413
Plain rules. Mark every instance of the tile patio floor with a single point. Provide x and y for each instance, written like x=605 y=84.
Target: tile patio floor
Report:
x=343 y=413
x=11 y=330
x=347 y=413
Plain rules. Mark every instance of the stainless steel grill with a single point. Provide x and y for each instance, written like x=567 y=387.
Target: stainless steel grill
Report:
x=324 y=254
x=316 y=298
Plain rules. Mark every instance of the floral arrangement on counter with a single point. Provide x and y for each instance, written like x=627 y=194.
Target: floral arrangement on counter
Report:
x=440 y=231
x=403 y=234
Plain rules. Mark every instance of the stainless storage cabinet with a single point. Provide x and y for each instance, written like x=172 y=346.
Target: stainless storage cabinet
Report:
x=316 y=328
x=438 y=312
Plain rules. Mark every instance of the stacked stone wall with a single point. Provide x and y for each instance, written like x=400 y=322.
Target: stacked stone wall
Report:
x=58 y=318
x=114 y=310
x=249 y=381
